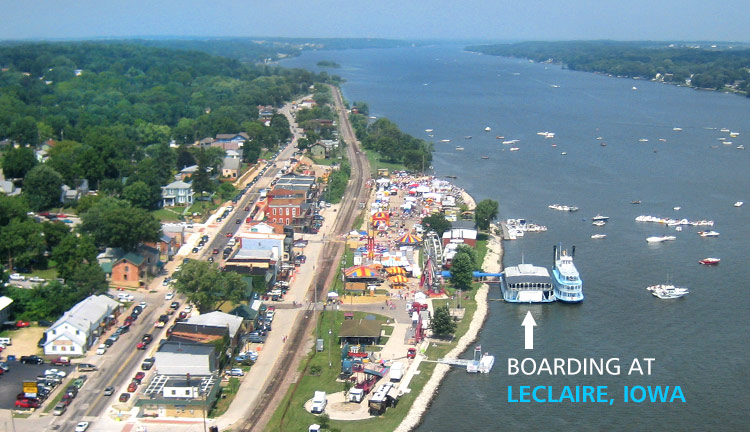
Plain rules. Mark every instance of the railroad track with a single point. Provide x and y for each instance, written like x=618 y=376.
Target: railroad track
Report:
x=326 y=271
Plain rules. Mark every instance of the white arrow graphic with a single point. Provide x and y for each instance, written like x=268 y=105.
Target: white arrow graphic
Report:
x=529 y=324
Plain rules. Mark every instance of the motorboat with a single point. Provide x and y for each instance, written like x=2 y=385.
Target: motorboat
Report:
x=635 y=202
x=738 y=204
x=445 y=140
x=467 y=137
x=676 y=129
x=643 y=140
x=514 y=149
x=660 y=239
x=708 y=233
x=485 y=157
x=668 y=291
x=710 y=261
x=599 y=217
x=487 y=129
x=563 y=207
x=599 y=223
x=459 y=148
x=598 y=236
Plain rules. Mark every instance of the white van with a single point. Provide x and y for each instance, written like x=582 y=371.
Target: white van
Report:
x=397 y=371
x=319 y=402
x=125 y=297
x=6 y=341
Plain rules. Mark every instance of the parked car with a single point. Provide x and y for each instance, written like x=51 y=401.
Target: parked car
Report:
x=87 y=367
x=139 y=377
x=235 y=372
x=109 y=391
x=102 y=349
x=27 y=403
x=148 y=363
x=168 y=296
x=174 y=305
x=132 y=387
x=216 y=251
x=36 y=279
x=59 y=409
x=124 y=397
x=61 y=361
x=17 y=277
x=32 y=359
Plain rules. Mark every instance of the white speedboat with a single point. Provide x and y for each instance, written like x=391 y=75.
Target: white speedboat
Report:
x=659 y=239
x=710 y=261
x=599 y=223
x=738 y=204
x=708 y=233
x=487 y=129
x=600 y=218
x=598 y=236
x=459 y=148
x=667 y=291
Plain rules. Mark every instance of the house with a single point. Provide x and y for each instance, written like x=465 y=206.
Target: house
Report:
x=166 y=245
x=129 y=269
x=5 y=306
x=230 y=141
x=77 y=330
x=318 y=151
x=234 y=154
x=230 y=167
x=259 y=254
x=264 y=227
x=265 y=112
x=69 y=195
x=176 y=232
x=291 y=211
x=177 y=193
x=8 y=188
x=307 y=103
x=180 y=358
x=187 y=172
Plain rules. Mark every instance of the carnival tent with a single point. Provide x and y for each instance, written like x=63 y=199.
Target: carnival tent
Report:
x=409 y=238
x=396 y=271
x=399 y=279
x=361 y=272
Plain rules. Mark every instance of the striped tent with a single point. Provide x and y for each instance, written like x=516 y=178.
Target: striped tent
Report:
x=399 y=279
x=396 y=271
x=360 y=272
x=409 y=238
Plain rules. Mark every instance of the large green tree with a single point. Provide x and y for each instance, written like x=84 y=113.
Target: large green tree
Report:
x=485 y=212
x=41 y=187
x=472 y=253
x=462 y=270
x=18 y=162
x=22 y=243
x=115 y=223
x=14 y=207
x=74 y=251
x=207 y=287
x=436 y=222
x=139 y=194
x=442 y=323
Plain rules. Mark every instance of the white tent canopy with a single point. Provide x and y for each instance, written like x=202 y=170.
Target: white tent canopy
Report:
x=333 y=294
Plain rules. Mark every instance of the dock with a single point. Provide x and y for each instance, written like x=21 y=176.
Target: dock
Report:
x=481 y=363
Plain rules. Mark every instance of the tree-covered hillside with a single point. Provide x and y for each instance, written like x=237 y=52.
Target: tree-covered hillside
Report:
x=701 y=66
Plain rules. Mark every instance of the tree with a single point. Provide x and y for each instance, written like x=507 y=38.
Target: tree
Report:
x=73 y=252
x=436 y=222
x=22 y=243
x=113 y=187
x=139 y=194
x=442 y=322
x=472 y=253
x=115 y=223
x=24 y=131
x=41 y=186
x=12 y=208
x=18 y=161
x=88 y=279
x=87 y=201
x=485 y=212
x=226 y=190
x=207 y=287
x=184 y=157
x=462 y=271
x=54 y=232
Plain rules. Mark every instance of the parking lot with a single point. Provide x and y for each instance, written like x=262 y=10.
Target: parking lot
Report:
x=11 y=382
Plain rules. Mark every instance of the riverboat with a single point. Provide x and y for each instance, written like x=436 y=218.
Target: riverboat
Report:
x=568 y=283
x=527 y=283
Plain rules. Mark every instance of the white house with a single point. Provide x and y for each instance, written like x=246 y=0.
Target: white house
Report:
x=79 y=327
x=5 y=303
x=177 y=193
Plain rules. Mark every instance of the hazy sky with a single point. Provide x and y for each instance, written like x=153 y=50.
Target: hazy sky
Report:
x=407 y=19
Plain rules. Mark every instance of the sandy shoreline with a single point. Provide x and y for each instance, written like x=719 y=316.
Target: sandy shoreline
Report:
x=492 y=263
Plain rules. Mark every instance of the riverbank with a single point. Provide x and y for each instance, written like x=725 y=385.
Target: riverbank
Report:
x=493 y=264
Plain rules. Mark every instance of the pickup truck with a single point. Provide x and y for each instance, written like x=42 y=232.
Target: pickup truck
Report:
x=61 y=361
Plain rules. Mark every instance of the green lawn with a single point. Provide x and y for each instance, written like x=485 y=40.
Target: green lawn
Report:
x=223 y=403
x=327 y=162
x=376 y=163
x=168 y=214
x=48 y=274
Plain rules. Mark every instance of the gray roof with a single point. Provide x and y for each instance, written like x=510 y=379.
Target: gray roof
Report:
x=231 y=163
x=219 y=319
x=179 y=184
x=186 y=348
x=88 y=312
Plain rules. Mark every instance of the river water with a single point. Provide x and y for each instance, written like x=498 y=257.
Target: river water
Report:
x=699 y=342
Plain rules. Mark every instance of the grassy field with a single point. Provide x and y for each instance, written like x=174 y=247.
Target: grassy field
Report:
x=48 y=274
x=376 y=163
x=168 y=214
x=222 y=404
